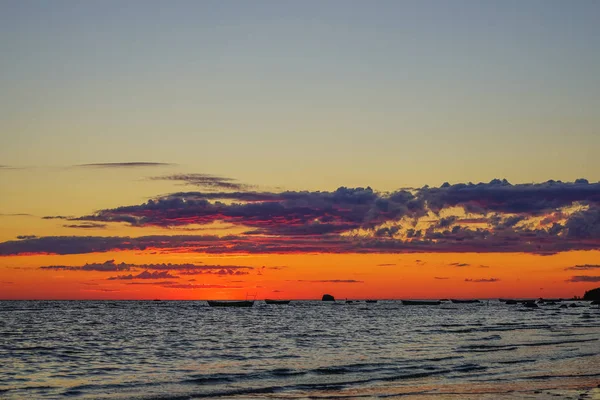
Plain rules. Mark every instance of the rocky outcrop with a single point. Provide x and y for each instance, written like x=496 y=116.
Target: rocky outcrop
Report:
x=593 y=294
x=327 y=297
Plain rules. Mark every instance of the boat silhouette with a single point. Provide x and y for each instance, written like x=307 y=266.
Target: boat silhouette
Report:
x=456 y=301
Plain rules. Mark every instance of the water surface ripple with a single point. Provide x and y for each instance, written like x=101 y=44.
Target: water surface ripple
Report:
x=187 y=350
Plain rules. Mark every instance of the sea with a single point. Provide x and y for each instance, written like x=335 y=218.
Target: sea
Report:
x=305 y=350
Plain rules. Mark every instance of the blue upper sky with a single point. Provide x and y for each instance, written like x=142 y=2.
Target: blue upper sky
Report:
x=306 y=94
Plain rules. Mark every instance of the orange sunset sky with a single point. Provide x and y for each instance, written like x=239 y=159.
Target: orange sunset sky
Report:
x=286 y=150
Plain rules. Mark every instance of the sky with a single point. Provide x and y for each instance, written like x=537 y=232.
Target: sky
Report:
x=280 y=149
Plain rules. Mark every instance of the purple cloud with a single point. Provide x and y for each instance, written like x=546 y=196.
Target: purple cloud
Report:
x=205 y=181
x=584 y=278
x=145 y=275
x=584 y=267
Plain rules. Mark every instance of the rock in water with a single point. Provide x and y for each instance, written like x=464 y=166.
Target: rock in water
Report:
x=327 y=297
x=593 y=294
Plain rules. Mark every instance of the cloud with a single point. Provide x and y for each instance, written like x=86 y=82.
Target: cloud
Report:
x=501 y=196
x=16 y=215
x=25 y=237
x=584 y=278
x=283 y=214
x=386 y=265
x=584 y=224
x=583 y=267
x=10 y=168
x=145 y=275
x=347 y=220
x=461 y=242
x=455 y=264
x=183 y=269
x=447 y=221
x=490 y=280
x=206 y=181
x=56 y=217
x=345 y=210
x=441 y=277
x=89 y=225
x=198 y=286
x=124 y=165
x=216 y=270
x=107 y=266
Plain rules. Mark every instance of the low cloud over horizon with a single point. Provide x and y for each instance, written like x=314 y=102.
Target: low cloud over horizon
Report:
x=543 y=218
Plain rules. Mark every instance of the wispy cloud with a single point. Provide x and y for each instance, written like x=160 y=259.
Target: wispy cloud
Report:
x=441 y=277
x=183 y=269
x=88 y=225
x=198 y=286
x=135 y=164
x=584 y=278
x=386 y=265
x=456 y=264
x=107 y=266
x=145 y=275
x=490 y=280
x=240 y=244
x=584 y=267
x=205 y=181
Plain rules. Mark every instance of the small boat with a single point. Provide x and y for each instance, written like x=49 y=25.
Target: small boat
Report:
x=243 y=303
x=349 y=301
x=456 y=301
x=421 y=302
x=269 y=301
x=511 y=302
x=371 y=301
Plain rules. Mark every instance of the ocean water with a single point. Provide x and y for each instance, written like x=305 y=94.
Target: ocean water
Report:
x=188 y=350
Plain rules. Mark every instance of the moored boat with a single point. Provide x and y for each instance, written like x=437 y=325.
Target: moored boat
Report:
x=270 y=301
x=242 y=303
x=421 y=302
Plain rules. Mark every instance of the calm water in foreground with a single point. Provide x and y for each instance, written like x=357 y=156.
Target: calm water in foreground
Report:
x=187 y=350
